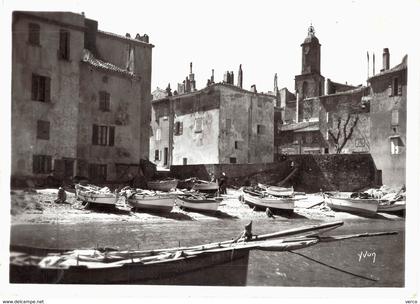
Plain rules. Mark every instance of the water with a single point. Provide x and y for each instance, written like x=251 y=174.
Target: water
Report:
x=380 y=258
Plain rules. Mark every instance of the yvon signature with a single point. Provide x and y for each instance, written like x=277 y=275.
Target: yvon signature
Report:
x=367 y=255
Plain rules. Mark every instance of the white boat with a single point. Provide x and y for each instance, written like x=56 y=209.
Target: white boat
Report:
x=163 y=185
x=397 y=206
x=96 y=195
x=198 y=203
x=354 y=205
x=158 y=202
x=206 y=186
x=277 y=191
x=262 y=200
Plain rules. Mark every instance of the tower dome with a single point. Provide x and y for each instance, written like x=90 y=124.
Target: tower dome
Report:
x=311 y=36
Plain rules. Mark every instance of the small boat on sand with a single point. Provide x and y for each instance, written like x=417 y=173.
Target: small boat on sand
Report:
x=157 y=201
x=195 y=265
x=263 y=200
x=96 y=195
x=354 y=205
x=392 y=207
x=163 y=185
x=198 y=202
x=205 y=186
x=277 y=191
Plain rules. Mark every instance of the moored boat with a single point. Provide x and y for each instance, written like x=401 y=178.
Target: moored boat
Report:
x=277 y=191
x=198 y=203
x=353 y=205
x=205 y=186
x=263 y=200
x=96 y=195
x=163 y=185
x=162 y=202
x=398 y=206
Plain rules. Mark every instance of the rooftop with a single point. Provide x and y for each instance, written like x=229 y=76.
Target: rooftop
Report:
x=399 y=67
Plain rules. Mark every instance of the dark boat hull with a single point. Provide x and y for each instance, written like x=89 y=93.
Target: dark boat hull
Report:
x=225 y=268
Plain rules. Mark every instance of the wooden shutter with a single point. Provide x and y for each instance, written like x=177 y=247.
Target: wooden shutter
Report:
x=180 y=127
x=34 y=87
x=399 y=88
x=35 y=164
x=47 y=93
x=95 y=134
x=111 y=136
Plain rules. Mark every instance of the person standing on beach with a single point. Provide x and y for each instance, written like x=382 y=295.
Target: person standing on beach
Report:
x=61 y=196
x=223 y=183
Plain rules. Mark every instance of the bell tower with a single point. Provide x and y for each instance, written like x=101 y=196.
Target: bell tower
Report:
x=310 y=83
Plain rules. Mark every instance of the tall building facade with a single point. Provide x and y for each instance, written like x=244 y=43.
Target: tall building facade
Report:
x=80 y=98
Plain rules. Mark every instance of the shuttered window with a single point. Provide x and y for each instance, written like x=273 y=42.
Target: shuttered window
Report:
x=98 y=172
x=43 y=129
x=41 y=87
x=41 y=164
x=64 y=45
x=104 y=101
x=178 y=128
x=103 y=135
x=395 y=118
x=33 y=33
x=198 y=125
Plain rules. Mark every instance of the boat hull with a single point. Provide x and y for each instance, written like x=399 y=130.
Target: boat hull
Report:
x=362 y=206
x=280 y=204
x=153 y=203
x=209 y=205
x=93 y=198
x=227 y=267
x=165 y=185
x=395 y=207
x=206 y=187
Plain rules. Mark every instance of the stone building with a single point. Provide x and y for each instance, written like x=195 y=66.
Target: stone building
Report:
x=388 y=117
x=219 y=124
x=80 y=98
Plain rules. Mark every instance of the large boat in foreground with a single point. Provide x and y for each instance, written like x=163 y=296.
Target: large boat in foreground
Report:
x=196 y=265
x=96 y=195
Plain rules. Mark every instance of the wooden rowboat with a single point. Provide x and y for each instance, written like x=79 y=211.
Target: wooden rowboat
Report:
x=95 y=195
x=398 y=206
x=196 y=265
x=163 y=185
x=277 y=191
x=205 y=186
x=353 y=205
x=162 y=202
x=261 y=200
x=198 y=203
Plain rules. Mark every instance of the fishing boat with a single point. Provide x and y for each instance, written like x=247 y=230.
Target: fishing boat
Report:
x=222 y=263
x=96 y=195
x=392 y=207
x=153 y=201
x=277 y=191
x=353 y=205
x=205 y=186
x=163 y=185
x=264 y=200
x=175 y=266
x=198 y=202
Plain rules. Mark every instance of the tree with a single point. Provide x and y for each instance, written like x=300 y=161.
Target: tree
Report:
x=343 y=134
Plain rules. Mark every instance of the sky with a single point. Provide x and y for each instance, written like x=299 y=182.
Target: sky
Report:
x=264 y=36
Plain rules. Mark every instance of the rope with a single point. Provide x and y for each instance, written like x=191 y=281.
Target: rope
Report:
x=336 y=268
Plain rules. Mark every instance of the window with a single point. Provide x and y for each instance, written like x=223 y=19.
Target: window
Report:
x=156 y=154
x=165 y=156
x=104 y=103
x=97 y=172
x=184 y=161
x=41 y=87
x=103 y=135
x=260 y=129
x=33 y=31
x=158 y=134
x=308 y=138
x=228 y=124
x=43 y=129
x=41 y=164
x=198 y=125
x=236 y=144
x=396 y=145
x=64 y=47
x=395 y=88
x=395 y=118
x=232 y=160
x=178 y=128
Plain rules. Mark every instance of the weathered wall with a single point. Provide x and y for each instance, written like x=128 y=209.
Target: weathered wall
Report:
x=382 y=104
x=162 y=119
x=62 y=110
x=310 y=142
x=116 y=49
x=340 y=106
x=347 y=172
x=245 y=110
x=125 y=93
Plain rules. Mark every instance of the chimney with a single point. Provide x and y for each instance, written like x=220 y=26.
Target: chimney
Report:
x=91 y=28
x=385 y=59
x=232 y=78
x=240 y=76
x=254 y=88
x=127 y=35
x=212 y=76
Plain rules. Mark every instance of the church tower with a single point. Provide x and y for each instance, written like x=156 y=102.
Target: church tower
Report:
x=310 y=83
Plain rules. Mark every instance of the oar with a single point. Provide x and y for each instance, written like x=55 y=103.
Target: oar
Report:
x=352 y=236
